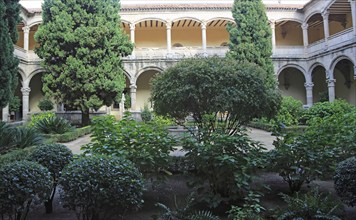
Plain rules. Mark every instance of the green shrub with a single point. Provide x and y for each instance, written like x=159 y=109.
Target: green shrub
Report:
x=251 y=209
x=345 y=181
x=54 y=157
x=14 y=104
x=53 y=125
x=45 y=105
x=146 y=114
x=313 y=205
x=15 y=155
x=324 y=109
x=21 y=183
x=224 y=165
x=146 y=145
x=98 y=187
x=17 y=137
x=68 y=136
x=290 y=112
x=37 y=117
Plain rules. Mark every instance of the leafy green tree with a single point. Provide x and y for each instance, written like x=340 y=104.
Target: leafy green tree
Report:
x=10 y=17
x=250 y=39
x=81 y=44
x=220 y=94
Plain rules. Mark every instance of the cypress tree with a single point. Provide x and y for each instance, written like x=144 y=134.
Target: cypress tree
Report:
x=9 y=18
x=250 y=39
x=81 y=43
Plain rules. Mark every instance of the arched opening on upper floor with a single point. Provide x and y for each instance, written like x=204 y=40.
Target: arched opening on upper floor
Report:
x=32 y=42
x=150 y=34
x=315 y=28
x=216 y=32
x=125 y=27
x=291 y=83
x=143 y=93
x=20 y=41
x=36 y=93
x=340 y=17
x=288 y=33
x=320 y=88
x=187 y=32
x=345 y=85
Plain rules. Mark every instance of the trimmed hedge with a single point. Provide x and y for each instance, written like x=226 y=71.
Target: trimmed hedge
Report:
x=68 y=136
x=16 y=155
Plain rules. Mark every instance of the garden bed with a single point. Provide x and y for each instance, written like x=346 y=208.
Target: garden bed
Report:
x=68 y=136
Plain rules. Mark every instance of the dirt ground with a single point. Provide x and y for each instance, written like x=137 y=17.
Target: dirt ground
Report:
x=175 y=189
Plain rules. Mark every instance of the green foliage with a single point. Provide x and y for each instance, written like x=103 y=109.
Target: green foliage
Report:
x=127 y=103
x=98 y=187
x=224 y=165
x=345 y=181
x=15 y=155
x=184 y=211
x=17 y=137
x=21 y=183
x=10 y=17
x=324 y=109
x=14 y=104
x=54 y=157
x=68 y=136
x=251 y=209
x=40 y=116
x=84 y=69
x=45 y=105
x=53 y=125
x=290 y=112
x=250 y=39
x=146 y=114
x=146 y=145
x=313 y=205
x=219 y=93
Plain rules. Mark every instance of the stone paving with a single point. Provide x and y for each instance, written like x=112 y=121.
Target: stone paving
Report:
x=256 y=134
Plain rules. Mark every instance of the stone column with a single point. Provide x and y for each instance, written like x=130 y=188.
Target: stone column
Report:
x=25 y=102
x=309 y=92
x=273 y=28
x=133 y=89
x=331 y=89
x=305 y=35
x=5 y=114
x=353 y=12
x=355 y=72
x=26 y=37
x=325 y=15
x=132 y=38
x=169 y=37
x=203 y=35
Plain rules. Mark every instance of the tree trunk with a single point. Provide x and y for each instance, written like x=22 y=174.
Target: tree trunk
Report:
x=49 y=206
x=85 y=117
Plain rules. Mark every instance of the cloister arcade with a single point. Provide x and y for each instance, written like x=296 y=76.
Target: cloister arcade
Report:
x=314 y=49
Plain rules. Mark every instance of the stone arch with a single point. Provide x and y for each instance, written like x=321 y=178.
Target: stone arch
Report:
x=150 y=19
x=318 y=78
x=288 y=19
x=311 y=14
x=340 y=16
x=288 y=32
x=291 y=65
x=339 y=58
x=291 y=80
x=33 y=73
x=344 y=81
x=315 y=23
x=216 y=31
x=23 y=76
x=187 y=31
x=150 y=33
x=35 y=23
x=221 y=18
x=143 y=84
x=125 y=26
x=187 y=18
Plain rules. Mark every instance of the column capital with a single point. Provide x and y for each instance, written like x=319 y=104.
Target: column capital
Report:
x=132 y=26
x=133 y=86
x=305 y=26
x=203 y=25
x=325 y=14
x=169 y=25
x=331 y=82
x=272 y=24
x=25 y=91
x=26 y=29
x=309 y=85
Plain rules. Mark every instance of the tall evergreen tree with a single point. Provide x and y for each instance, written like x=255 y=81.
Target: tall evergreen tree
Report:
x=250 y=39
x=9 y=18
x=81 y=44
